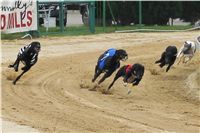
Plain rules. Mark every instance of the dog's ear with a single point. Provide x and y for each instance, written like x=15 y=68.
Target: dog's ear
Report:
x=198 y=40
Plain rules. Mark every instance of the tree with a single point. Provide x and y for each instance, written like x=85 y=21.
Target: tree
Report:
x=191 y=11
x=153 y=12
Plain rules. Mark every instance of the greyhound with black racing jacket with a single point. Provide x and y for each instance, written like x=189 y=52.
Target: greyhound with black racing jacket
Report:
x=28 y=55
x=131 y=73
x=108 y=62
x=168 y=57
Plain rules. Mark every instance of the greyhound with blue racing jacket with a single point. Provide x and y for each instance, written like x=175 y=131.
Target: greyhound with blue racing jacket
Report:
x=108 y=62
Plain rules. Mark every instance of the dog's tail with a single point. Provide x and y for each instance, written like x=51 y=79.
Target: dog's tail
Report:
x=180 y=52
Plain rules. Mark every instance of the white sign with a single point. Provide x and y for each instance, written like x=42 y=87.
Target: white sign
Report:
x=18 y=15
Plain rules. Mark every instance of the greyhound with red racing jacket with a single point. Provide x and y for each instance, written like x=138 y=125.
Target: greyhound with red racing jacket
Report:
x=131 y=74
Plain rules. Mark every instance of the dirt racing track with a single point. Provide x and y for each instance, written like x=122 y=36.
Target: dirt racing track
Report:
x=54 y=95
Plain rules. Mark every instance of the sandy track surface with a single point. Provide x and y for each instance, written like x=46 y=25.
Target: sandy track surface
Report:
x=54 y=96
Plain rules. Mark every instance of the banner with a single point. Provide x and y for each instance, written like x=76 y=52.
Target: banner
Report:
x=18 y=15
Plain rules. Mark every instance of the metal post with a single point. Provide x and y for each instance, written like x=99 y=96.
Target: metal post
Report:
x=140 y=12
x=61 y=23
x=37 y=3
x=104 y=15
x=92 y=16
x=38 y=17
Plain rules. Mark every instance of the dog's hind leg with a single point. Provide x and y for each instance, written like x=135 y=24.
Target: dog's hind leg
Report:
x=15 y=65
x=106 y=75
x=162 y=58
x=25 y=70
x=162 y=64
x=158 y=61
x=180 y=58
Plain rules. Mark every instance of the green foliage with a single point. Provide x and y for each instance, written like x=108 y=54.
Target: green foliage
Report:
x=191 y=11
x=153 y=12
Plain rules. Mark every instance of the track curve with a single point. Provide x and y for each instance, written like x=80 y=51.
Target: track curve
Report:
x=54 y=95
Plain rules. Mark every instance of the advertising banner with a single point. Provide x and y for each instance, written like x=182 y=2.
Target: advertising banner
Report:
x=18 y=15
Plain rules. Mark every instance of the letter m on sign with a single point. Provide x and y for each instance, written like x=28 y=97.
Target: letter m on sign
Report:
x=11 y=21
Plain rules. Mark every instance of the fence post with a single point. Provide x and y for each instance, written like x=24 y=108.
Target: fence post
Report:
x=92 y=16
x=61 y=23
x=104 y=15
x=38 y=23
x=140 y=12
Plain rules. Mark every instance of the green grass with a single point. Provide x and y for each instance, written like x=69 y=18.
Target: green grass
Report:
x=84 y=30
x=154 y=27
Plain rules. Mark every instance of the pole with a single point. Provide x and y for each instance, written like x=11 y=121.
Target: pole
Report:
x=104 y=15
x=37 y=3
x=92 y=16
x=61 y=23
x=140 y=12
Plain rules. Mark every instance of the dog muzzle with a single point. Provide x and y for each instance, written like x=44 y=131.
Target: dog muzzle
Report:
x=125 y=58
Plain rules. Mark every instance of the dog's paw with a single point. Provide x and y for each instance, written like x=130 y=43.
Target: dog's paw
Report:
x=129 y=92
x=93 y=80
x=106 y=92
x=16 y=68
x=10 y=66
x=93 y=88
x=14 y=82
x=125 y=84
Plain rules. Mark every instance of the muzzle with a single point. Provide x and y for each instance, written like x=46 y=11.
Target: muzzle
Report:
x=125 y=58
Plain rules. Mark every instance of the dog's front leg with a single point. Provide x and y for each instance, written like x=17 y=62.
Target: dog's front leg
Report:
x=181 y=58
x=189 y=58
x=184 y=60
x=116 y=77
x=162 y=58
x=168 y=67
x=96 y=75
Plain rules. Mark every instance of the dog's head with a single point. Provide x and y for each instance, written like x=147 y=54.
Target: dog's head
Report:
x=121 y=55
x=187 y=46
x=198 y=39
x=138 y=71
x=36 y=47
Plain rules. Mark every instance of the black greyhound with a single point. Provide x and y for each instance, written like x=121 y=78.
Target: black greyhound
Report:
x=108 y=62
x=168 y=57
x=131 y=74
x=28 y=55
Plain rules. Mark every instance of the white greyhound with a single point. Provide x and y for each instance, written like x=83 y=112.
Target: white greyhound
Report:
x=188 y=50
